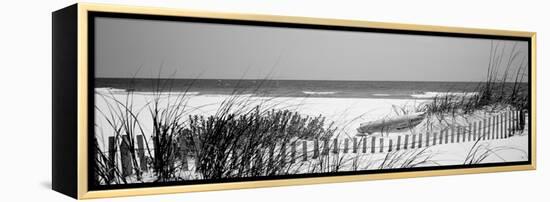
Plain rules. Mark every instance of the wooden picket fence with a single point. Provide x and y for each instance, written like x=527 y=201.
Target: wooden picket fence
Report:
x=500 y=126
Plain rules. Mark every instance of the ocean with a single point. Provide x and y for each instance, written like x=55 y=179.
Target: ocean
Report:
x=292 y=88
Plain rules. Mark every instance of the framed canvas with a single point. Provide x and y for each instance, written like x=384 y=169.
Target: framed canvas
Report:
x=156 y=100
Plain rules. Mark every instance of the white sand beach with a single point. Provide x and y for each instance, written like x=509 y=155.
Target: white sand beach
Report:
x=346 y=113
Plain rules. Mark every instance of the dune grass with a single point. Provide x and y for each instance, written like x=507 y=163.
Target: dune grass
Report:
x=242 y=139
x=504 y=87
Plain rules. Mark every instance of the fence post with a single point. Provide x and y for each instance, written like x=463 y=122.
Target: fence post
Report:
x=304 y=150
x=126 y=156
x=354 y=145
x=112 y=156
x=315 y=149
x=335 y=149
x=406 y=145
x=381 y=145
x=390 y=141
x=398 y=143
x=434 y=135
x=372 y=145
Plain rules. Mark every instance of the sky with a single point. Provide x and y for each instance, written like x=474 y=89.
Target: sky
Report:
x=126 y=48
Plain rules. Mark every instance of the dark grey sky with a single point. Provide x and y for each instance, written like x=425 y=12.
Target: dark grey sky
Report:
x=126 y=47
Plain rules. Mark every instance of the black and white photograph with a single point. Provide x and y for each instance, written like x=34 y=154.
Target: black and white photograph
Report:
x=188 y=101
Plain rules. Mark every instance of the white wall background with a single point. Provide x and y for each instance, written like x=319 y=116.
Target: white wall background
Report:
x=25 y=113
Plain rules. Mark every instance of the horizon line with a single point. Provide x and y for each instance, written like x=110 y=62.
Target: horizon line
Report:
x=302 y=80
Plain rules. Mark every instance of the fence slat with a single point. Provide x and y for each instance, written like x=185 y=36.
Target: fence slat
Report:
x=126 y=156
x=346 y=144
x=469 y=132
x=315 y=149
x=500 y=126
x=507 y=125
x=271 y=156
x=282 y=153
x=479 y=130
x=458 y=133
x=493 y=135
x=335 y=146
x=484 y=134
x=464 y=133
x=427 y=139
x=398 y=146
x=406 y=145
x=475 y=131
x=112 y=156
x=381 y=145
x=304 y=150
x=434 y=135
x=326 y=146
x=516 y=118
x=452 y=134
x=372 y=145
x=419 y=140
x=354 y=145
x=390 y=141
x=182 y=152
x=364 y=140
x=293 y=152
x=446 y=136
x=441 y=137
x=413 y=141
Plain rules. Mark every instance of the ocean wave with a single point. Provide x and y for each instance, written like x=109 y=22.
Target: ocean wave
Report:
x=124 y=91
x=428 y=95
x=319 y=92
x=381 y=95
x=110 y=90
